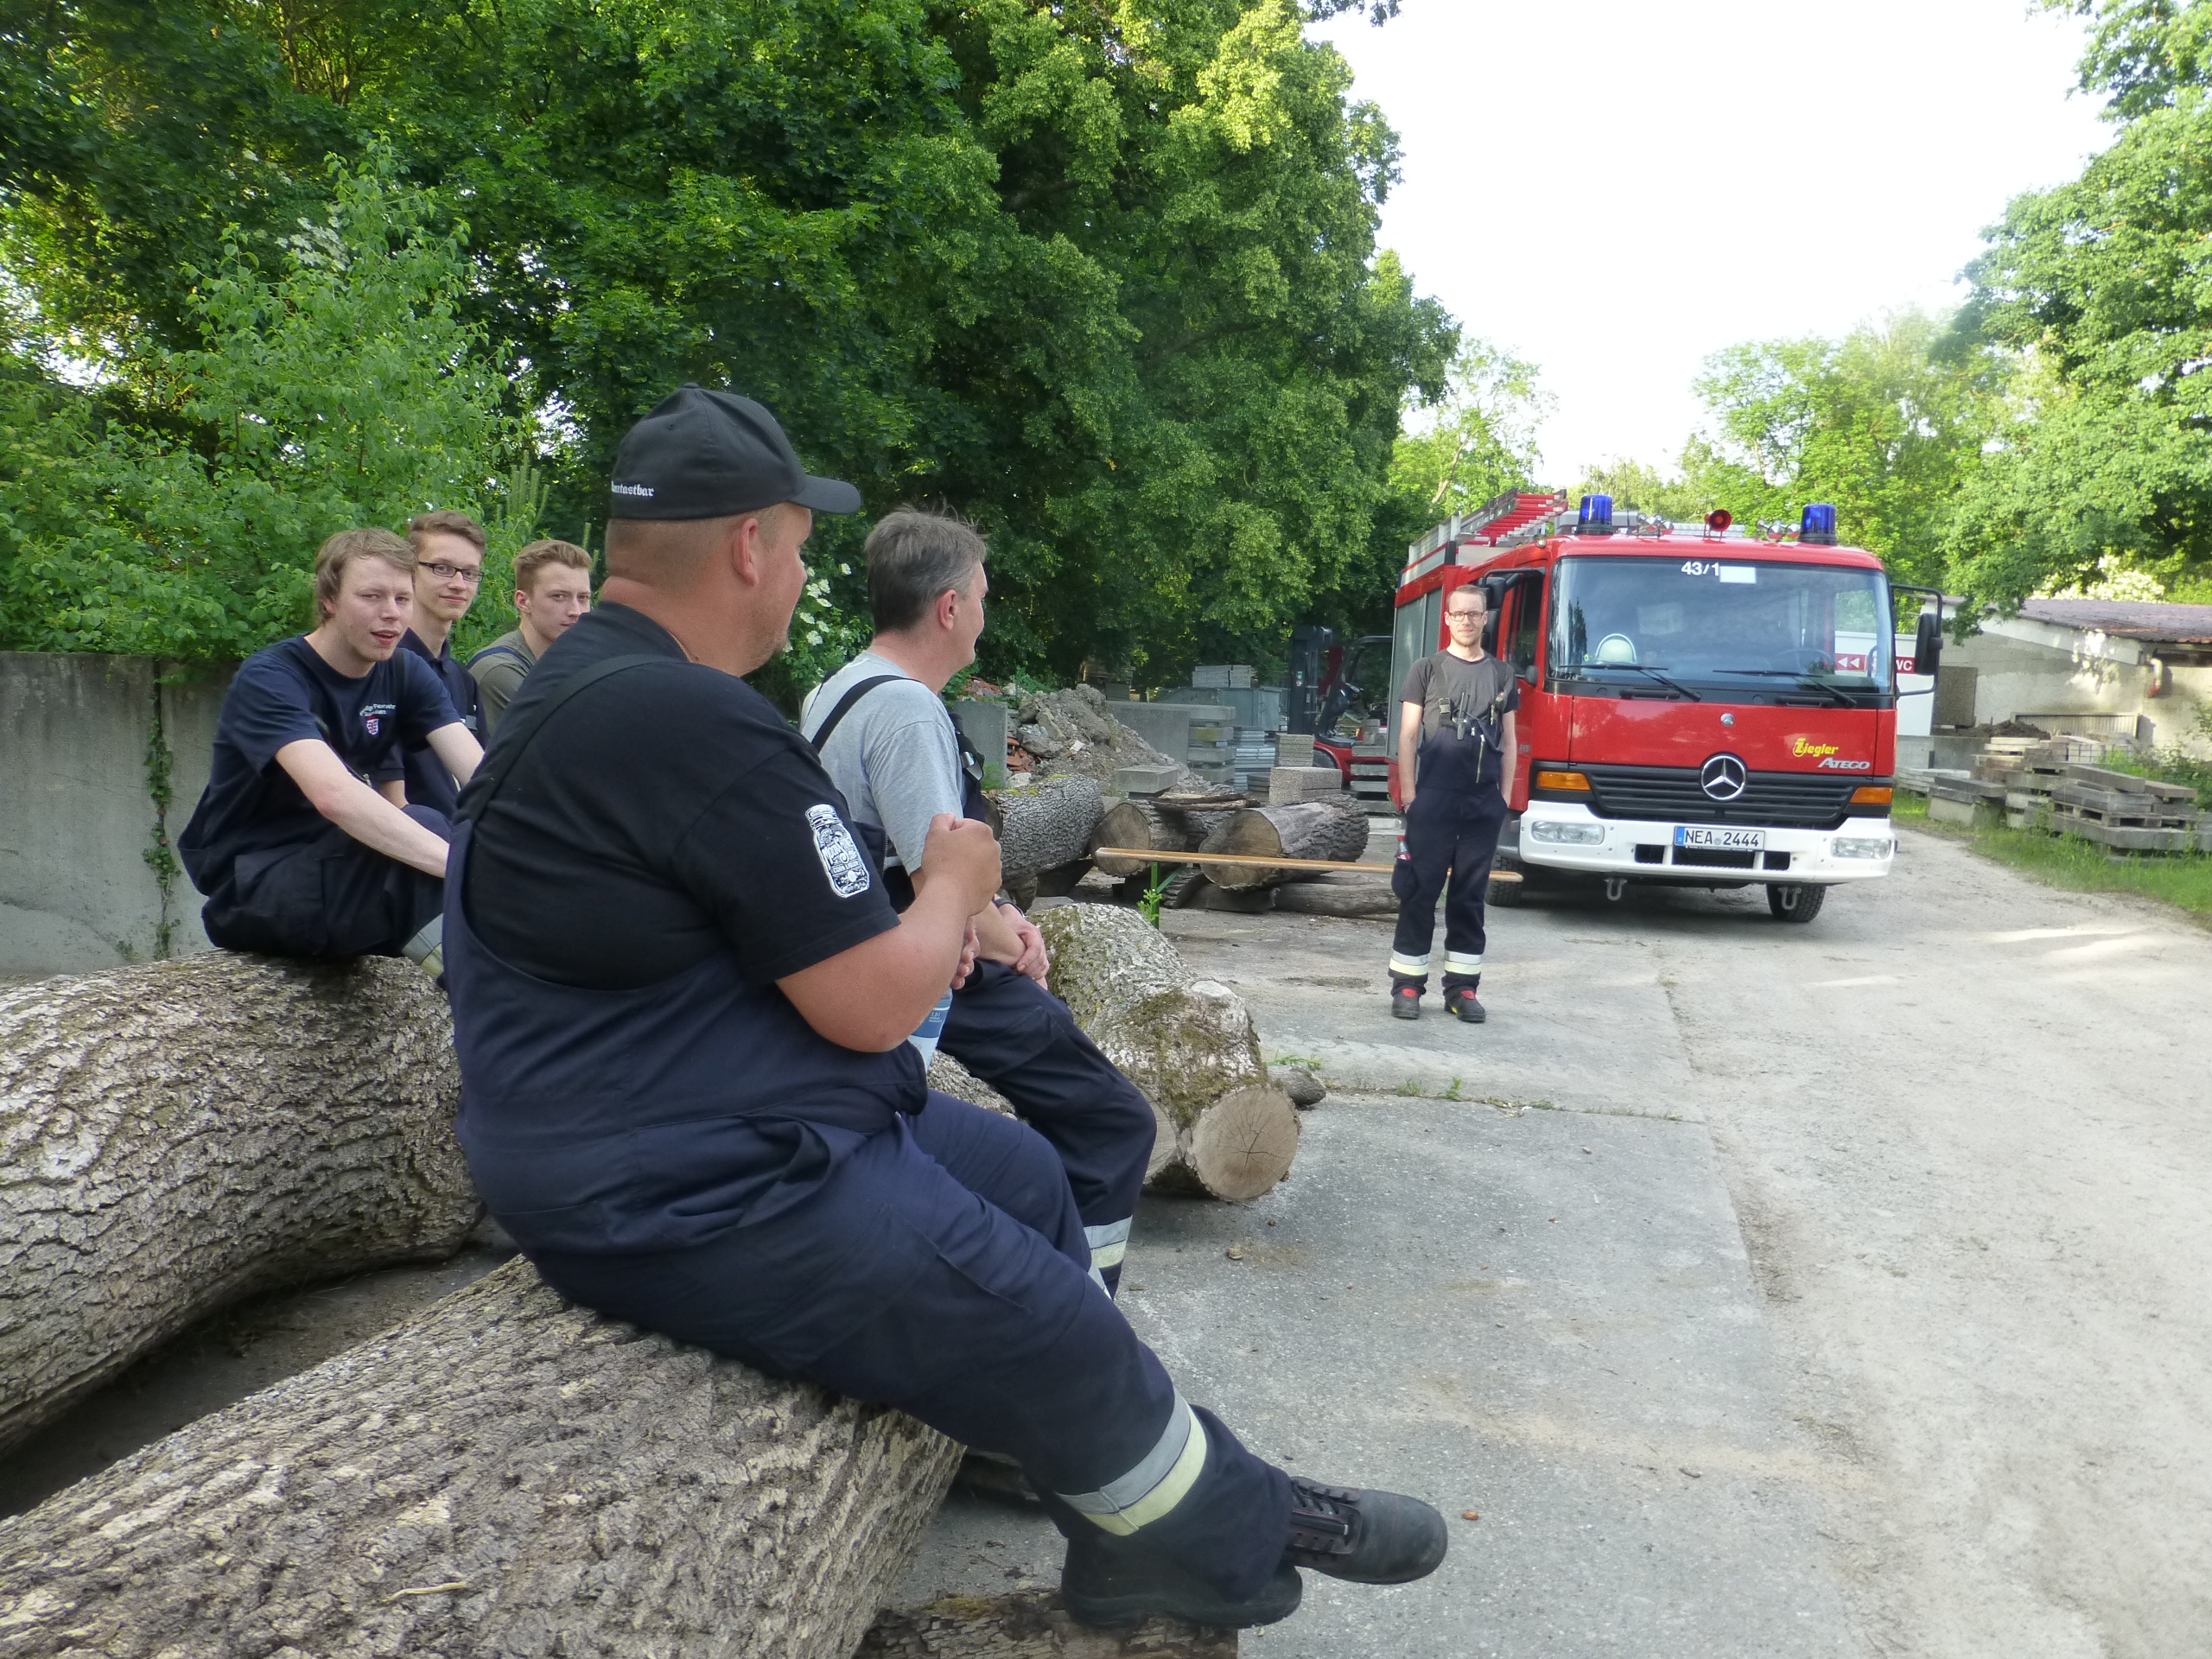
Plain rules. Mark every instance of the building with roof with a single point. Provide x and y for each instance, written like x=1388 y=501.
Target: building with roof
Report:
x=2105 y=667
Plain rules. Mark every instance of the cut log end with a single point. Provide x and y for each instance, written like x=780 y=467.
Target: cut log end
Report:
x=1315 y=830
x=1242 y=1145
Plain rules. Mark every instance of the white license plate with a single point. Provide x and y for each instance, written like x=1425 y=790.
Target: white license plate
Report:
x=1740 y=841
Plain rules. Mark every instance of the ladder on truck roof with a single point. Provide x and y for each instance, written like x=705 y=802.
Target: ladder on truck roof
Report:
x=1486 y=525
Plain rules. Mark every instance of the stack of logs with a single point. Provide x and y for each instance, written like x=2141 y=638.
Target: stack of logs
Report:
x=1333 y=829
x=506 y=1472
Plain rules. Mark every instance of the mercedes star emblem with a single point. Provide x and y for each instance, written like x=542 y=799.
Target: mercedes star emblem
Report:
x=1727 y=720
x=1723 y=778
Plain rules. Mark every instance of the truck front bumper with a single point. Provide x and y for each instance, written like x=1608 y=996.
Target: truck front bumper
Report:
x=1561 y=836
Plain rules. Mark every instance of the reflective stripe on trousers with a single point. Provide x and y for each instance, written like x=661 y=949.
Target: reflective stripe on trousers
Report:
x=1156 y=1486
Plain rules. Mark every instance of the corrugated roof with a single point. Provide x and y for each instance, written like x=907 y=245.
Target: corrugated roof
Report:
x=2177 y=625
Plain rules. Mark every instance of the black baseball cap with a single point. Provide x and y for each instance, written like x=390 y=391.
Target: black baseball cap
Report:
x=707 y=454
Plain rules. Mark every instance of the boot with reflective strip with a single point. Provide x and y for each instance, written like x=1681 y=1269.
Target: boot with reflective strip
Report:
x=1120 y=1572
x=1405 y=996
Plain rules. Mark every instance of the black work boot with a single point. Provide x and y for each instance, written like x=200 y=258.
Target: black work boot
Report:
x=1367 y=1537
x=1405 y=996
x=1459 y=999
x=1110 y=1583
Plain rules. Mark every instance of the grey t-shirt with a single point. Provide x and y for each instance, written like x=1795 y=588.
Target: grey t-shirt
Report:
x=1448 y=686
x=893 y=757
x=499 y=669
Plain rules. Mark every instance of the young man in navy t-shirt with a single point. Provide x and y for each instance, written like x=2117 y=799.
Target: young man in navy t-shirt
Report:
x=449 y=570
x=304 y=844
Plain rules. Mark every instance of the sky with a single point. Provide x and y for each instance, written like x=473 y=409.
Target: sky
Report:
x=1614 y=189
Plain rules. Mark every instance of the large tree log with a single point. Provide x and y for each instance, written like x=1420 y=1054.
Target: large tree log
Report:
x=1308 y=829
x=1030 y=1625
x=1141 y=823
x=1046 y=823
x=1224 y=1128
x=506 y=1474
x=178 y=1136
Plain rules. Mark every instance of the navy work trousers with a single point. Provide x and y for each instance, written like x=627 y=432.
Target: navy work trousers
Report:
x=1015 y=1035
x=327 y=896
x=941 y=1268
x=1449 y=833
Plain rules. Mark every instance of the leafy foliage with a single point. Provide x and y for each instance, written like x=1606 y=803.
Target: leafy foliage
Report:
x=1101 y=276
x=1478 y=442
x=176 y=509
x=1886 y=423
x=2101 y=286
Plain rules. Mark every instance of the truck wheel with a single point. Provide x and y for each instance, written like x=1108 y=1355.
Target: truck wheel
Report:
x=1792 y=901
x=1507 y=894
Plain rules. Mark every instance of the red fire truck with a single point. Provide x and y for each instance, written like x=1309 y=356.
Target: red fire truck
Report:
x=1700 y=706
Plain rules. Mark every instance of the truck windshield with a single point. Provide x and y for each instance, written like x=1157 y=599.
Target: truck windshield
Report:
x=1722 y=620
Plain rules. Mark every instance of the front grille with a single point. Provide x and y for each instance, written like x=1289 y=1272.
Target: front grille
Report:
x=1789 y=800
x=1718 y=858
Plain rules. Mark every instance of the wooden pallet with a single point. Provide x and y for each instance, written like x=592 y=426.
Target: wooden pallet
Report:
x=2127 y=783
x=2124 y=838
x=2071 y=799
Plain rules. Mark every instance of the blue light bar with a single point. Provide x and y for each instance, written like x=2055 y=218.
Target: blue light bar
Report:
x=1817 y=528
x=1595 y=516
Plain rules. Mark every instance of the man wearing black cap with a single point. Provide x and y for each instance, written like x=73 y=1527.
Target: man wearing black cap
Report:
x=688 y=1094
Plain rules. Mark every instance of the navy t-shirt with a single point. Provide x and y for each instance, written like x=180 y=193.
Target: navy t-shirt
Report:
x=674 y=813
x=281 y=696
x=429 y=782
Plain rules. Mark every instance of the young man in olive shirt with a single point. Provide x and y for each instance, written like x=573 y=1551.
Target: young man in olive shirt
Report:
x=1455 y=731
x=552 y=590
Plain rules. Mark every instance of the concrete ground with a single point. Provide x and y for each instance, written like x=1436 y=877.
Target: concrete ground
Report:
x=1767 y=1290
x=1764 y=1291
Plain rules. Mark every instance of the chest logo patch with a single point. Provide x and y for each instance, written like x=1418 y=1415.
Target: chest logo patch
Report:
x=840 y=857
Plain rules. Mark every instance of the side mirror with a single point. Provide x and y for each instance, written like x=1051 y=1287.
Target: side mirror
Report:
x=1928 y=643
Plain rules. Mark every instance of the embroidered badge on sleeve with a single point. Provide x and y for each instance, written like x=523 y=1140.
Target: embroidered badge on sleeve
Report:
x=840 y=857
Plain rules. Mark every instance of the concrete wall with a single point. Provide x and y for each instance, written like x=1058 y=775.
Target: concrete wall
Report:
x=2070 y=679
x=77 y=811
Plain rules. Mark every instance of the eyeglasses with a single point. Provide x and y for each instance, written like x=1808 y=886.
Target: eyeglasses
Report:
x=1465 y=616
x=471 y=575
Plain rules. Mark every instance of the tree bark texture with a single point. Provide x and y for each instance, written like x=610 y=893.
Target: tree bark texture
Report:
x=177 y=1135
x=948 y=1076
x=1031 y=1625
x=1046 y=823
x=1224 y=1128
x=506 y=1474
x=1334 y=829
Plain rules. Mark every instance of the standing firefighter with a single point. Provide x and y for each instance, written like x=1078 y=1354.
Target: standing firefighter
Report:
x=1455 y=731
x=687 y=1089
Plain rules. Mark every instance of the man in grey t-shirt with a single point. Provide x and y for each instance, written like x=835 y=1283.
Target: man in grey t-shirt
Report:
x=893 y=750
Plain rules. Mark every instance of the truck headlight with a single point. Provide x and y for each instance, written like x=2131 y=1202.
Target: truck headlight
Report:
x=1566 y=833
x=1861 y=847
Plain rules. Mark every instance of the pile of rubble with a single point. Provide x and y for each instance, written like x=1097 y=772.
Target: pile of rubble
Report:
x=1059 y=733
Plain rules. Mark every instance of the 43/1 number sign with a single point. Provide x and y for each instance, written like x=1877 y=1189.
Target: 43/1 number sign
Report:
x=1744 y=573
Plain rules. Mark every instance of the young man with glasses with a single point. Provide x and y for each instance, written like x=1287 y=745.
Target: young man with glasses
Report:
x=1455 y=731
x=448 y=569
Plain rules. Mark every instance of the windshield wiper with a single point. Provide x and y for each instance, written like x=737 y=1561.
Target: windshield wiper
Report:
x=1835 y=693
x=1671 y=685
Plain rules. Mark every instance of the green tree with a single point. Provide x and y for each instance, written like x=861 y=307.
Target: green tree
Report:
x=176 y=505
x=1886 y=423
x=1101 y=276
x=2099 y=287
x=1477 y=442
x=1635 y=484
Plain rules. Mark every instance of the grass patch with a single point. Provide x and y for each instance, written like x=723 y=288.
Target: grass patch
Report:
x=2182 y=879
